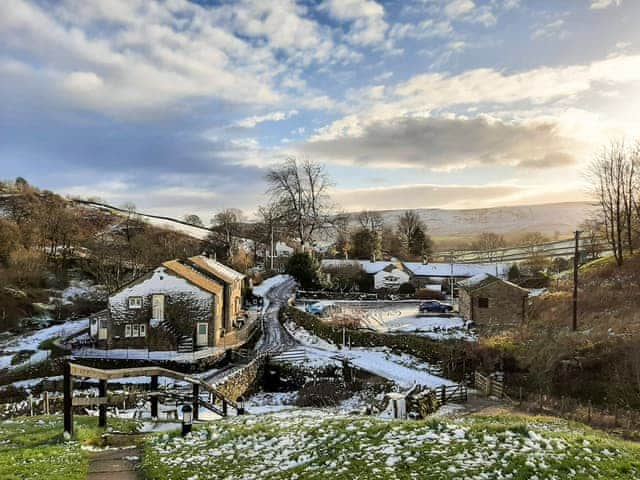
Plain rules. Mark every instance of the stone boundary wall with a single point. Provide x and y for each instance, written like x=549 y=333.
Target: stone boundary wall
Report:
x=243 y=380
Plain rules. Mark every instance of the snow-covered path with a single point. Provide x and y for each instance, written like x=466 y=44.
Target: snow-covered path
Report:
x=276 y=294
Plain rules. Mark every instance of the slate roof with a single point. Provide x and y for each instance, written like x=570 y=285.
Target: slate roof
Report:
x=484 y=279
x=190 y=275
x=217 y=269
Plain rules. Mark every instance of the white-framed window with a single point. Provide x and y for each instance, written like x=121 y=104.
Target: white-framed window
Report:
x=143 y=330
x=135 y=330
x=127 y=330
x=135 y=303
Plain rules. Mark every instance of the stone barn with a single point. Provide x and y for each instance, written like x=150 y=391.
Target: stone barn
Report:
x=490 y=301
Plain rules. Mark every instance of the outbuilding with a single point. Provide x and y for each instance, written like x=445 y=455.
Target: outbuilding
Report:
x=489 y=301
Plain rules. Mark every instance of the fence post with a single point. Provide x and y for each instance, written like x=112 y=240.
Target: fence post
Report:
x=443 y=395
x=102 y=408
x=67 y=407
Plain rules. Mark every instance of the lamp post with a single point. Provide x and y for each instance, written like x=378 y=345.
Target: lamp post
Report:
x=187 y=419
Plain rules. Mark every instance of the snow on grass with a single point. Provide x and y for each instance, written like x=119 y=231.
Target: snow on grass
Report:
x=33 y=447
x=33 y=340
x=313 y=444
x=405 y=370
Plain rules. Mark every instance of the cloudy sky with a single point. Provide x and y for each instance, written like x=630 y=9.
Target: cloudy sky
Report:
x=180 y=106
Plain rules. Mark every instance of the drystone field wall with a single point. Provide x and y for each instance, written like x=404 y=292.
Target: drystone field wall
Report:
x=243 y=380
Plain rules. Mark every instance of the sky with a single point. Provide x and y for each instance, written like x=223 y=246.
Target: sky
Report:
x=181 y=106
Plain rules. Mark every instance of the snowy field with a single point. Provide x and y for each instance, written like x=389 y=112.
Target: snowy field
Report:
x=320 y=444
x=399 y=317
x=404 y=370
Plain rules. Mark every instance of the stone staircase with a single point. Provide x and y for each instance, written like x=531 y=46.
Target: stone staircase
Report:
x=185 y=342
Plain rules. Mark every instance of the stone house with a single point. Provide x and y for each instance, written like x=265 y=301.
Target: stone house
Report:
x=382 y=273
x=490 y=301
x=182 y=305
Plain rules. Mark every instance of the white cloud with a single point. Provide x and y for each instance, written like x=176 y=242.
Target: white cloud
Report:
x=549 y=30
x=602 y=4
x=368 y=26
x=251 y=122
x=459 y=8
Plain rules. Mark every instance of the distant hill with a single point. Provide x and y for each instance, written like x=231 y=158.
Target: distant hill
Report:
x=549 y=219
x=552 y=218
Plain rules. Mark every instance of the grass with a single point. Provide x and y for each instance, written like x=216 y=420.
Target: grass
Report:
x=34 y=447
x=315 y=445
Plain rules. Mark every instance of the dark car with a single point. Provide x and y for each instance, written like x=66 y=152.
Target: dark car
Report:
x=434 y=306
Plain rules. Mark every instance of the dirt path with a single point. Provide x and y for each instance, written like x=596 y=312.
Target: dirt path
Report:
x=118 y=464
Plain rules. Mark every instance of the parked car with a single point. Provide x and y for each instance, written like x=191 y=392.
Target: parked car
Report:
x=434 y=306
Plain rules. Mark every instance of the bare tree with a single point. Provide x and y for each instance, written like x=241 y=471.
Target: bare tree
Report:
x=301 y=190
x=408 y=224
x=371 y=220
x=193 y=219
x=489 y=243
x=226 y=226
x=612 y=178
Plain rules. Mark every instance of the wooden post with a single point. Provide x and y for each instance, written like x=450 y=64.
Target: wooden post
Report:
x=443 y=395
x=196 y=400
x=67 y=401
x=576 y=255
x=224 y=408
x=46 y=403
x=154 y=399
x=102 y=408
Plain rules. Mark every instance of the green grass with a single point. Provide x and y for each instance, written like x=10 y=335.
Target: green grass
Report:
x=34 y=447
x=316 y=445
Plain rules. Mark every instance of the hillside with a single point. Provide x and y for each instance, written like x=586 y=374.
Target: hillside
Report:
x=549 y=219
x=552 y=218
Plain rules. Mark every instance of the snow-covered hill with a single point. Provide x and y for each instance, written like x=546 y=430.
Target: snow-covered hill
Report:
x=548 y=219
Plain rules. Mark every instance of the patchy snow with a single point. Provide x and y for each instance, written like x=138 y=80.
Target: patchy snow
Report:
x=145 y=354
x=271 y=282
x=32 y=340
x=458 y=269
x=405 y=370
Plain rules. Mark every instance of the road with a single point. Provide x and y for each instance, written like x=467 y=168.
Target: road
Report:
x=274 y=336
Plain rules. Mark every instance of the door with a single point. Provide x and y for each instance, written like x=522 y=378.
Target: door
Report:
x=102 y=329
x=203 y=335
x=157 y=307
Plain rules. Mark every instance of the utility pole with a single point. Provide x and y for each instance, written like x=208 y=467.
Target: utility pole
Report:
x=576 y=261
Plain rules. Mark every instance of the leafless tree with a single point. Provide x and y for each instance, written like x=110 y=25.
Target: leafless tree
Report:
x=489 y=243
x=408 y=223
x=301 y=190
x=193 y=219
x=612 y=179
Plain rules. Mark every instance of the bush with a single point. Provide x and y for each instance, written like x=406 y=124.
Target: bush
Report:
x=406 y=289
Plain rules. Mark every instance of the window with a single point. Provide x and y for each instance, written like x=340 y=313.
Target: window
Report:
x=135 y=303
x=127 y=330
x=202 y=329
x=483 y=302
x=143 y=330
x=135 y=329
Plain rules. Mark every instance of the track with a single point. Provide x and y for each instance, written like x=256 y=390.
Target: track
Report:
x=274 y=336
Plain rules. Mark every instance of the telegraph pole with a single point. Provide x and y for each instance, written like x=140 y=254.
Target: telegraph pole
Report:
x=576 y=255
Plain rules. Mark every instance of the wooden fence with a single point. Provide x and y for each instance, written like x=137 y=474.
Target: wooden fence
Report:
x=489 y=385
x=451 y=394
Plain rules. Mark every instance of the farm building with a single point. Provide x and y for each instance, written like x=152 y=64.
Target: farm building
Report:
x=181 y=305
x=428 y=275
x=490 y=301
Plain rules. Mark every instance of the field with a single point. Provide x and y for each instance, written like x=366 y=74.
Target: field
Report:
x=34 y=448
x=321 y=445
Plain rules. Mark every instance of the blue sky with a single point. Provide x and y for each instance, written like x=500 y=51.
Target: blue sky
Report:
x=179 y=107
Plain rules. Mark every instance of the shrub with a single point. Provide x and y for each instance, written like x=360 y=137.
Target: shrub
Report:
x=406 y=289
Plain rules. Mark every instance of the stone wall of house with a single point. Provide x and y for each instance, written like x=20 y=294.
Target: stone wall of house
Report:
x=507 y=305
x=243 y=381
x=185 y=305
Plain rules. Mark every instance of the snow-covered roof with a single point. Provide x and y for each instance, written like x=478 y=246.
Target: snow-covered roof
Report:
x=219 y=270
x=367 y=265
x=459 y=269
x=483 y=279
